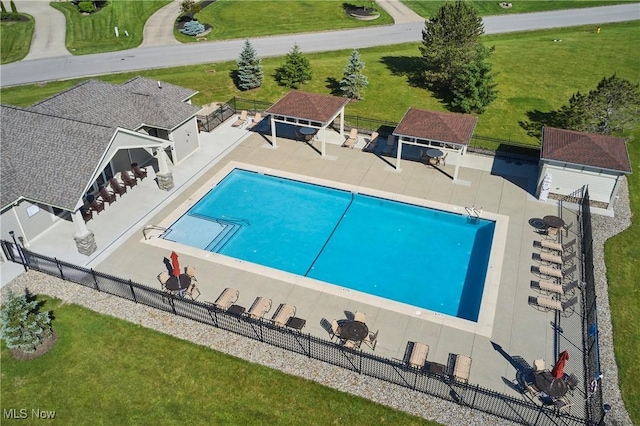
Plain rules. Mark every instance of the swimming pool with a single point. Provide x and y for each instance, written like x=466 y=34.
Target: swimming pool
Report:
x=428 y=258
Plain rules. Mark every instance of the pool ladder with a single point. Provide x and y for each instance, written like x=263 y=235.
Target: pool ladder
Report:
x=473 y=212
x=153 y=228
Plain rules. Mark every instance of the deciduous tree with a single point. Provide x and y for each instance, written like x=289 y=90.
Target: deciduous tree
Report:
x=250 y=72
x=296 y=69
x=353 y=81
x=190 y=7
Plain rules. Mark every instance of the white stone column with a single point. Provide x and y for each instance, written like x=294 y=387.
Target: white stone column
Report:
x=164 y=175
x=84 y=238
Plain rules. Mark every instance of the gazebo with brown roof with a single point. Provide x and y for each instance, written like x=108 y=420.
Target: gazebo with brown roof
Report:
x=430 y=129
x=575 y=159
x=307 y=110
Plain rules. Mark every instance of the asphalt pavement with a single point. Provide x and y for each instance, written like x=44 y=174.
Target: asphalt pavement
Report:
x=66 y=67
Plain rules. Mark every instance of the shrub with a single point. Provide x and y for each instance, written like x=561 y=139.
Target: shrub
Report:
x=23 y=326
x=2 y=8
x=192 y=28
x=86 y=6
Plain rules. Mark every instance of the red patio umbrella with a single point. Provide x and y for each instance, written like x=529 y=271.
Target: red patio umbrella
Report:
x=175 y=264
x=558 y=369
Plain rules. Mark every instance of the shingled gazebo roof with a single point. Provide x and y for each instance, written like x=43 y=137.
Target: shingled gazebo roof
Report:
x=308 y=106
x=570 y=146
x=437 y=126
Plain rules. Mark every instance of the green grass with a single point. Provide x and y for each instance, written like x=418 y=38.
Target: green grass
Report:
x=95 y=33
x=622 y=257
x=247 y=19
x=103 y=370
x=15 y=39
x=428 y=9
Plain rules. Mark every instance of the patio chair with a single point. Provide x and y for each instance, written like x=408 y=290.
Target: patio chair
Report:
x=462 y=368
x=256 y=120
x=550 y=233
x=352 y=139
x=418 y=356
x=107 y=196
x=193 y=291
x=546 y=304
x=95 y=205
x=373 y=142
x=562 y=405
x=127 y=179
x=371 y=340
x=226 y=298
x=351 y=344
x=283 y=314
x=138 y=172
x=117 y=187
x=335 y=329
x=87 y=214
x=566 y=228
x=360 y=317
x=260 y=307
x=163 y=277
x=442 y=161
x=538 y=364
x=426 y=159
x=572 y=381
x=242 y=119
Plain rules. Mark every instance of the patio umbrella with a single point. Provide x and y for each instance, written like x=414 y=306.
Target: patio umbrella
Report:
x=558 y=369
x=546 y=186
x=175 y=264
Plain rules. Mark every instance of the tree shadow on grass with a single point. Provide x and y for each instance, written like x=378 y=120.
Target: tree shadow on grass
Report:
x=410 y=67
x=539 y=119
x=334 y=86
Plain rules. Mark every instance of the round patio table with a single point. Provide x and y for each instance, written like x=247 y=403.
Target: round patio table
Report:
x=548 y=384
x=435 y=153
x=178 y=284
x=354 y=330
x=308 y=132
x=553 y=221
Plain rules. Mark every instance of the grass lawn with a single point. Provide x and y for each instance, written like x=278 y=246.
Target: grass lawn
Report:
x=15 y=39
x=95 y=33
x=428 y=9
x=104 y=370
x=246 y=19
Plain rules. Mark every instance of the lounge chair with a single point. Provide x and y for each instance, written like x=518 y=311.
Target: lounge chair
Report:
x=107 y=196
x=87 y=214
x=256 y=120
x=283 y=314
x=547 y=286
x=352 y=139
x=550 y=258
x=138 y=171
x=373 y=142
x=418 y=356
x=127 y=179
x=547 y=304
x=556 y=272
x=260 y=307
x=226 y=298
x=555 y=246
x=462 y=368
x=371 y=340
x=95 y=205
x=117 y=187
x=242 y=119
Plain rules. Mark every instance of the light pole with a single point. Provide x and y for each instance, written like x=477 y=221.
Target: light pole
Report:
x=605 y=409
x=23 y=260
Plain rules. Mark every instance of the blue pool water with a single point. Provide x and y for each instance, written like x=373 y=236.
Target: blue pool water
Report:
x=423 y=257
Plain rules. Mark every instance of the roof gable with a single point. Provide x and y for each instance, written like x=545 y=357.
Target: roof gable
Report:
x=600 y=151
x=308 y=106
x=437 y=126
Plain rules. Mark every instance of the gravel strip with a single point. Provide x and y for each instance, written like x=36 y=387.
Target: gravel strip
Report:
x=416 y=403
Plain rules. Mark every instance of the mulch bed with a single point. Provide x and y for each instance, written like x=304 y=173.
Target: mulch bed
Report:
x=41 y=349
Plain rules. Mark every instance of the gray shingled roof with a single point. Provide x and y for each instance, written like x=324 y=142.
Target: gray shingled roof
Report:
x=48 y=159
x=128 y=106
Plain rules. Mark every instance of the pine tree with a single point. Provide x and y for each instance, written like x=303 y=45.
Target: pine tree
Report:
x=250 y=72
x=14 y=9
x=296 y=69
x=22 y=325
x=473 y=88
x=2 y=8
x=192 y=28
x=353 y=81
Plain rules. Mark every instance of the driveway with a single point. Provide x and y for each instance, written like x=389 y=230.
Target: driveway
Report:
x=49 y=34
x=158 y=30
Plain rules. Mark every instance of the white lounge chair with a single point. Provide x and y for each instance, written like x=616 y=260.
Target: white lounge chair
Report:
x=547 y=304
x=242 y=119
x=283 y=314
x=254 y=122
x=418 y=356
x=260 y=307
x=373 y=142
x=352 y=139
x=227 y=298
x=462 y=368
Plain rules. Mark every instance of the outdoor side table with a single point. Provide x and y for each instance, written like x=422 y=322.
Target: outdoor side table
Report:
x=296 y=323
x=236 y=310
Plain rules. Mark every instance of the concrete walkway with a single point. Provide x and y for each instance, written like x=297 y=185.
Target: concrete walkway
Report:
x=158 y=30
x=49 y=32
x=400 y=13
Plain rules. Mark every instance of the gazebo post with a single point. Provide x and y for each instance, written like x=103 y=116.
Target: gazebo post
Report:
x=399 y=155
x=458 y=161
x=342 y=121
x=324 y=139
x=273 y=131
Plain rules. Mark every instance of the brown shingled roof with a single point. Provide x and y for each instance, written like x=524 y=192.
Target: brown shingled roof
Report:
x=606 y=152
x=309 y=106
x=437 y=126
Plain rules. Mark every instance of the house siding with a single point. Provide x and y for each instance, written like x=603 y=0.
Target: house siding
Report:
x=185 y=139
x=566 y=179
x=32 y=226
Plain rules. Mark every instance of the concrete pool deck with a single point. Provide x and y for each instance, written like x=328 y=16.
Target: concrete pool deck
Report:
x=499 y=186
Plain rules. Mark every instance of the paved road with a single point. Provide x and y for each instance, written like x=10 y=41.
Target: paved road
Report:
x=197 y=53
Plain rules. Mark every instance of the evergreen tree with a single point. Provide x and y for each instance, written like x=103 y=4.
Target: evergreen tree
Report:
x=450 y=41
x=192 y=28
x=250 y=72
x=610 y=108
x=21 y=324
x=2 y=8
x=473 y=88
x=14 y=9
x=353 y=81
x=296 y=69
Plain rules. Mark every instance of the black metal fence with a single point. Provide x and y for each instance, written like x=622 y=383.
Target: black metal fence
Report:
x=394 y=371
x=478 y=144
